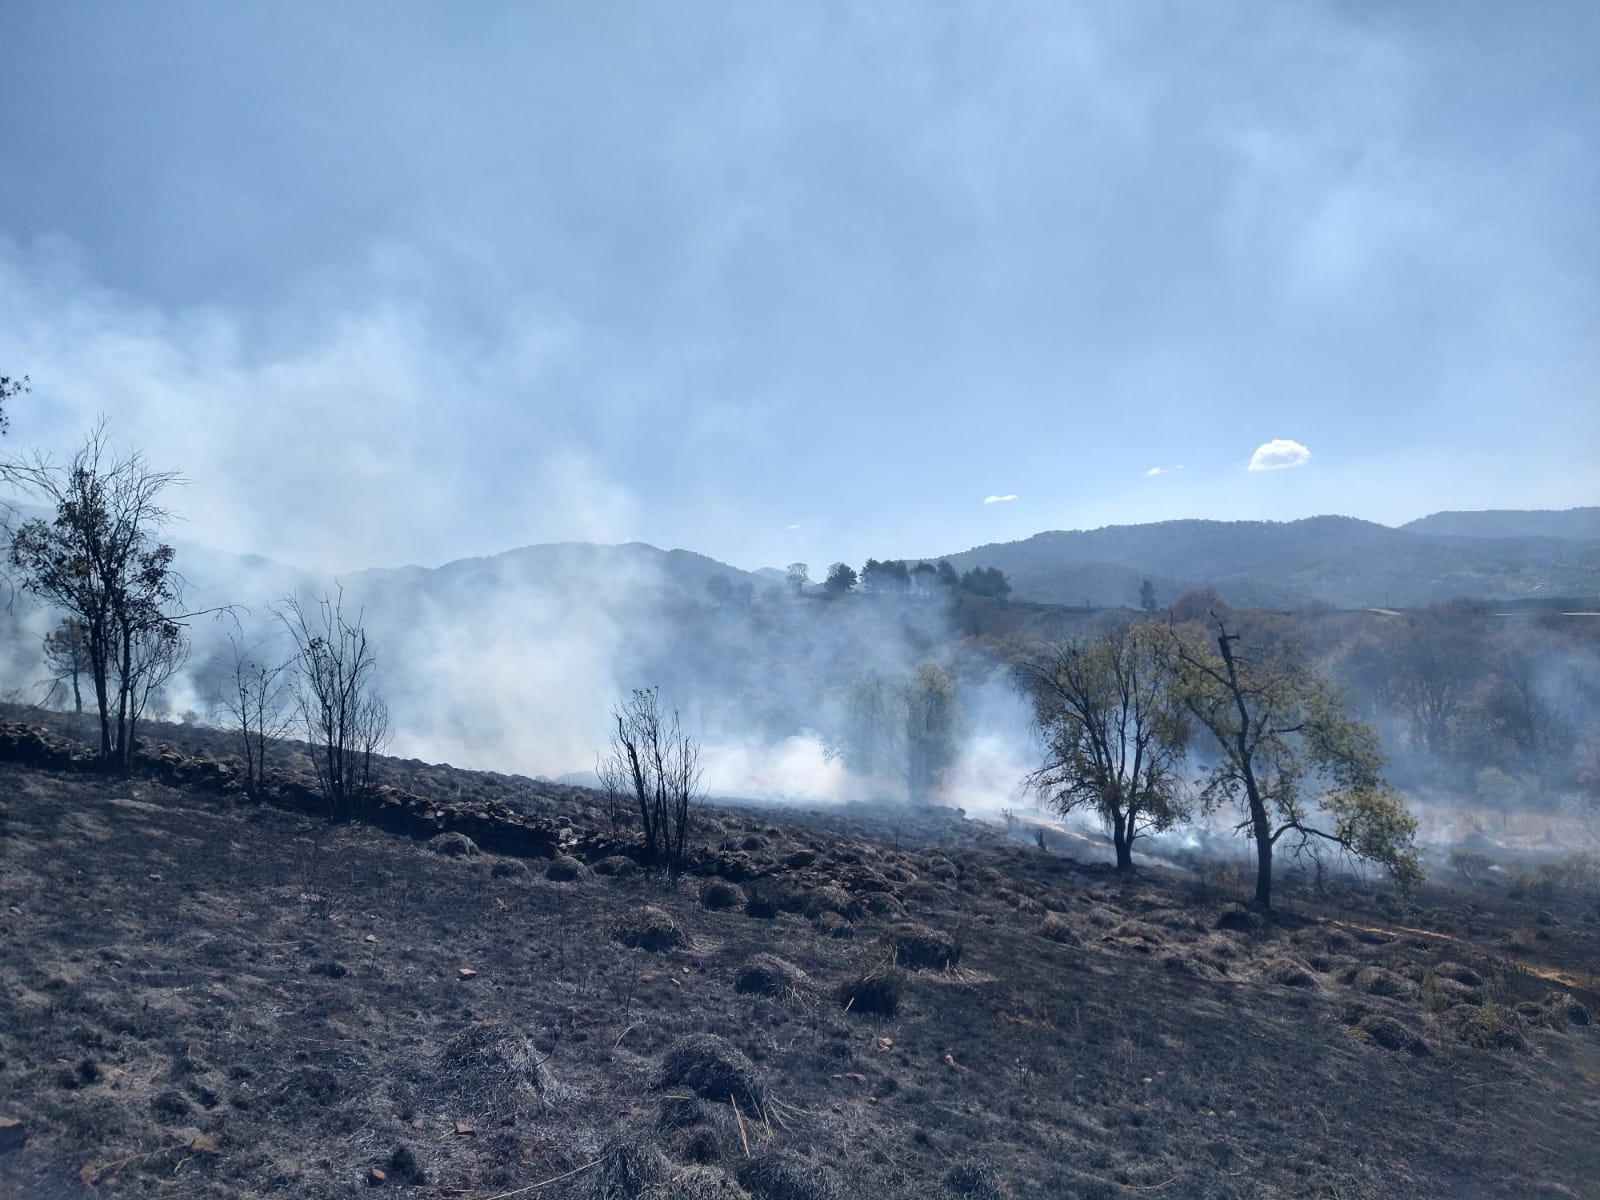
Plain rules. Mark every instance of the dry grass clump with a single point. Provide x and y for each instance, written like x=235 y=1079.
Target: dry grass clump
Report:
x=831 y=924
x=509 y=868
x=566 y=869
x=626 y=1168
x=647 y=927
x=719 y=894
x=696 y=1183
x=713 y=1069
x=491 y=1065
x=616 y=866
x=875 y=992
x=1057 y=928
x=830 y=898
x=1376 y=981
x=777 y=1175
x=1391 y=1034
x=453 y=845
x=769 y=975
x=975 y=1179
x=920 y=948
x=1286 y=972
x=1236 y=918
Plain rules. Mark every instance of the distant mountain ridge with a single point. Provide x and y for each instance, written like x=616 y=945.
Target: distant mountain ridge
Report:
x=1340 y=561
x=1576 y=524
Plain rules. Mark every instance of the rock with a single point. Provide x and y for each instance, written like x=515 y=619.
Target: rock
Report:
x=13 y=1135
x=466 y=973
x=376 y=1177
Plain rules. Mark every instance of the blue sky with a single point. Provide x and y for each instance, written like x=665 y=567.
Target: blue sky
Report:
x=401 y=283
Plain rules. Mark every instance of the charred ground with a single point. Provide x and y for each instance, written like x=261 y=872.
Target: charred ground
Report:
x=202 y=996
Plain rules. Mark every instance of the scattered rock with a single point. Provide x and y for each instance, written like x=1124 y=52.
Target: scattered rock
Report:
x=466 y=973
x=648 y=928
x=376 y=1177
x=712 y=1068
x=13 y=1135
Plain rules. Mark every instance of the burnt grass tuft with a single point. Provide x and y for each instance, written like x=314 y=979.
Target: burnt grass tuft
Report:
x=202 y=996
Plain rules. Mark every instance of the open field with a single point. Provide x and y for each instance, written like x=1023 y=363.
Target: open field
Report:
x=205 y=997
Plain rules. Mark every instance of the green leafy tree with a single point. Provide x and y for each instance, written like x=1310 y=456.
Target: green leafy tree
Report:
x=906 y=729
x=10 y=389
x=990 y=582
x=841 y=579
x=1288 y=758
x=1115 y=732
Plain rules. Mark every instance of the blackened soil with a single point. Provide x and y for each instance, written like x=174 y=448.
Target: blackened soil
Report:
x=200 y=996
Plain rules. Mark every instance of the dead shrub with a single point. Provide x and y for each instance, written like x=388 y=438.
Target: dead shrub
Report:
x=712 y=1068
x=647 y=927
x=1288 y=973
x=919 y=948
x=1236 y=918
x=769 y=975
x=509 y=868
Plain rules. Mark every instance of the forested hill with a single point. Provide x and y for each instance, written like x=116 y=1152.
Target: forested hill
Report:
x=1340 y=561
x=1575 y=524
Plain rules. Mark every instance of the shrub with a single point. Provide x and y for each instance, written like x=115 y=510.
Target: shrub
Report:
x=491 y=1065
x=566 y=869
x=453 y=845
x=1057 y=928
x=695 y=1183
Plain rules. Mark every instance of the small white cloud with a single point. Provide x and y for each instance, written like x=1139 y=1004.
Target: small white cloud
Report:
x=791 y=528
x=999 y=499
x=1162 y=470
x=1278 y=454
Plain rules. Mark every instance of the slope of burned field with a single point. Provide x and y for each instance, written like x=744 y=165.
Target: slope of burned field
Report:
x=201 y=997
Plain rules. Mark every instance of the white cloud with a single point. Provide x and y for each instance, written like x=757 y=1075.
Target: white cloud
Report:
x=1278 y=454
x=999 y=499
x=791 y=528
x=1162 y=470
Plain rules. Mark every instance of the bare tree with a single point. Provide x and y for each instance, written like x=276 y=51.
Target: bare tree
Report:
x=655 y=762
x=97 y=559
x=258 y=700
x=346 y=721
